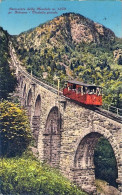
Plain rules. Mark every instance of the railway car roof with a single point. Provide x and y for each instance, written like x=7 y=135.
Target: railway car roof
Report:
x=83 y=84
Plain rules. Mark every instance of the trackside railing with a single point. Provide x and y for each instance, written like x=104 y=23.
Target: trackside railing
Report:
x=113 y=109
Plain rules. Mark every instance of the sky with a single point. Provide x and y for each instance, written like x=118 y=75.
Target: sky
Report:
x=36 y=12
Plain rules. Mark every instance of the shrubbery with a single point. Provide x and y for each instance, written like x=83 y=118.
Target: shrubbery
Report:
x=26 y=175
x=15 y=133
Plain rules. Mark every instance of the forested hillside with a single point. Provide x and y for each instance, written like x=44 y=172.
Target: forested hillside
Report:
x=72 y=46
x=7 y=78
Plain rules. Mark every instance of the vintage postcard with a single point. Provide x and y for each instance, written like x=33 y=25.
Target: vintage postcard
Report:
x=60 y=97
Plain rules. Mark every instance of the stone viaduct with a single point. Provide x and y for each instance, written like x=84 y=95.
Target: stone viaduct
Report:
x=65 y=132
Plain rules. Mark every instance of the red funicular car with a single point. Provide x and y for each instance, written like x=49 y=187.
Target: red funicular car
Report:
x=84 y=93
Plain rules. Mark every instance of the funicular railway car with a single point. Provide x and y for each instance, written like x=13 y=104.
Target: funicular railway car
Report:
x=84 y=93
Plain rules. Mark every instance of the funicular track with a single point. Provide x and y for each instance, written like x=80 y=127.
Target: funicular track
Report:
x=108 y=114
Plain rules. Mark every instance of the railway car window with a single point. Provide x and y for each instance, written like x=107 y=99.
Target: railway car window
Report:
x=74 y=86
x=88 y=91
x=99 y=91
x=92 y=90
x=70 y=87
x=79 y=89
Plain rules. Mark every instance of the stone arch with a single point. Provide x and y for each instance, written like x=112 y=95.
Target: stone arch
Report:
x=29 y=102
x=36 y=119
x=52 y=137
x=19 y=80
x=37 y=106
x=21 y=83
x=24 y=91
x=85 y=151
x=84 y=170
x=24 y=96
x=106 y=134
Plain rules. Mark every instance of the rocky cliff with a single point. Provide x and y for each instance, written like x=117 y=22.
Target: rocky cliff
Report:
x=66 y=29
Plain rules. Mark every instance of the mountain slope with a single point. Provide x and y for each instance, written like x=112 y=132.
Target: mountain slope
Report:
x=7 y=79
x=71 y=46
x=53 y=43
x=67 y=29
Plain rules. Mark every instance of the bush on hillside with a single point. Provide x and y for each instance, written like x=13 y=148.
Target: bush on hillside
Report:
x=26 y=176
x=15 y=133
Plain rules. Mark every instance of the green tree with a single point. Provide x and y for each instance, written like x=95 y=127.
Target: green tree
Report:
x=105 y=162
x=120 y=60
x=7 y=79
x=15 y=133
